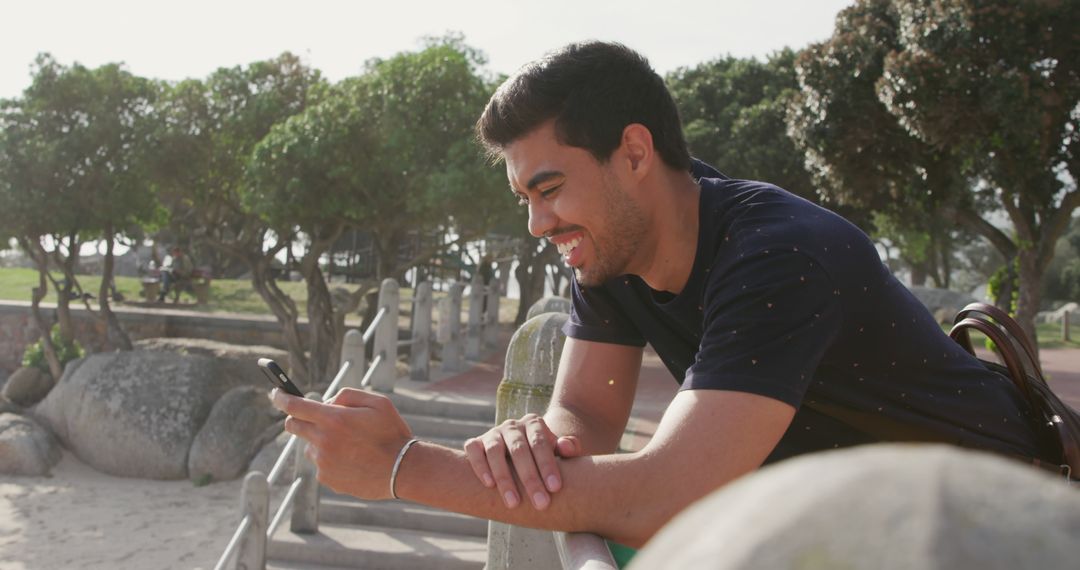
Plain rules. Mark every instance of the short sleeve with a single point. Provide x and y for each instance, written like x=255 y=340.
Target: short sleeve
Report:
x=596 y=316
x=769 y=319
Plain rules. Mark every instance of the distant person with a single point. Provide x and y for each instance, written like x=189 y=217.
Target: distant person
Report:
x=178 y=270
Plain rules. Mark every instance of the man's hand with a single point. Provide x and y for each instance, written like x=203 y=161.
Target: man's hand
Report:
x=354 y=439
x=532 y=447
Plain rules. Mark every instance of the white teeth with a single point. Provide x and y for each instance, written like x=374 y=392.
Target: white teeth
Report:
x=566 y=248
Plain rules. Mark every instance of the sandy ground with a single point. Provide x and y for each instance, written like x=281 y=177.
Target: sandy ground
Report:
x=82 y=519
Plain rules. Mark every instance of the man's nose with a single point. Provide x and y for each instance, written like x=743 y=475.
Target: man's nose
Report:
x=541 y=218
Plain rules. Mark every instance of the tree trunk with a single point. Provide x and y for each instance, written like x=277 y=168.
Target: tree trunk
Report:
x=38 y=293
x=1027 y=302
x=116 y=331
x=284 y=309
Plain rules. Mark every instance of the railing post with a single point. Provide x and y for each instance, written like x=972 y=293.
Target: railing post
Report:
x=532 y=360
x=352 y=350
x=491 y=316
x=1065 y=326
x=420 y=355
x=504 y=276
x=252 y=547
x=386 y=338
x=476 y=317
x=452 y=352
x=305 y=515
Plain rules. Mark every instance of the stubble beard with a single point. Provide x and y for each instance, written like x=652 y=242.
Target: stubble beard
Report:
x=614 y=249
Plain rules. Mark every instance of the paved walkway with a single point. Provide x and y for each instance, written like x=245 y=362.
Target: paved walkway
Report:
x=656 y=386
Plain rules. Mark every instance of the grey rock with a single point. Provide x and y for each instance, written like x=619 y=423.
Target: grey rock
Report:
x=237 y=363
x=26 y=448
x=232 y=435
x=267 y=456
x=135 y=413
x=549 y=305
x=7 y=407
x=883 y=507
x=27 y=386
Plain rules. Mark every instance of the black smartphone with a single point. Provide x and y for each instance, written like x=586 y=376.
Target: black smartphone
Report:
x=278 y=378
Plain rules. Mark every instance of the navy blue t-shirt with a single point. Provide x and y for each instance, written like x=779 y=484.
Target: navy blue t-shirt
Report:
x=791 y=301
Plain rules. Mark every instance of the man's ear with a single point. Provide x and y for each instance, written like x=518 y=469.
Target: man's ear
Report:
x=637 y=149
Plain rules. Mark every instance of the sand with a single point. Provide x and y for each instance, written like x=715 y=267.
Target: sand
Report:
x=80 y=518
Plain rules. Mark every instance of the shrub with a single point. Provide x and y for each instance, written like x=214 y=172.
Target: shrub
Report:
x=34 y=356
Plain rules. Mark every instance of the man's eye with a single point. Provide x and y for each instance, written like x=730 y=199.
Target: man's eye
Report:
x=550 y=191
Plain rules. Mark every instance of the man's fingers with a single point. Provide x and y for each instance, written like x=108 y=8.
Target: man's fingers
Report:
x=521 y=454
x=304 y=430
x=495 y=454
x=353 y=398
x=474 y=452
x=307 y=410
x=542 y=444
x=568 y=446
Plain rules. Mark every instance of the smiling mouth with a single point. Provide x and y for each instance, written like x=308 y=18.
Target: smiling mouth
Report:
x=565 y=249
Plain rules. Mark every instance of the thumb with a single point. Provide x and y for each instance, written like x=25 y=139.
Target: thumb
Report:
x=568 y=446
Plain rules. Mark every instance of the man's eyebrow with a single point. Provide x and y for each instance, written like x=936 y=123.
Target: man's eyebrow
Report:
x=541 y=177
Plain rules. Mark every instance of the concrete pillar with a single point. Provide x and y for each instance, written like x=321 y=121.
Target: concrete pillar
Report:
x=491 y=316
x=504 y=276
x=549 y=305
x=453 y=353
x=386 y=338
x=476 y=318
x=256 y=496
x=420 y=355
x=352 y=350
x=1065 y=326
x=532 y=359
x=305 y=515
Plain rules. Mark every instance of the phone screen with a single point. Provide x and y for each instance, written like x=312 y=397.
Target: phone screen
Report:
x=278 y=378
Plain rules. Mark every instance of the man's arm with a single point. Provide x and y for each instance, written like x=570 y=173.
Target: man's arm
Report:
x=594 y=392
x=706 y=439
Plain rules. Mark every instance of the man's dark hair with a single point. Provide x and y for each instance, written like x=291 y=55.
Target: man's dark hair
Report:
x=593 y=90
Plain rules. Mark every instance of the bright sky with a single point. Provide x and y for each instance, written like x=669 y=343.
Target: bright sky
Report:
x=176 y=40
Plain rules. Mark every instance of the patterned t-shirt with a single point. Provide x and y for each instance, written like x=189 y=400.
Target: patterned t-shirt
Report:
x=790 y=301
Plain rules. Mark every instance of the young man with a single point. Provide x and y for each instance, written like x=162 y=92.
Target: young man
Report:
x=777 y=317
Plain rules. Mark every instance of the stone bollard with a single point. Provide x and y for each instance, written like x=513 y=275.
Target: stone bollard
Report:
x=251 y=552
x=386 y=338
x=504 y=276
x=352 y=350
x=1065 y=326
x=420 y=354
x=452 y=348
x=549 y=305
x=476 y=318
x=491 y=316
x=532 y=359
x=958 y=509
x=305 y=514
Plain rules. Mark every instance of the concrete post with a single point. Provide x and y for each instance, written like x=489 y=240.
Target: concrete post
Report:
x=251 y=553
x=504 y=276
x=1065 y=326
x=452 y=348
x=420 y=355
x=549 y=305
x=305 y=515
x=532 y=359
x=476 y=318
x=491 y=316
x=352 y=350
x=386 y=338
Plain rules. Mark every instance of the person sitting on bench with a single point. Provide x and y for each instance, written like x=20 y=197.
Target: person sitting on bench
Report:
x=177 y=272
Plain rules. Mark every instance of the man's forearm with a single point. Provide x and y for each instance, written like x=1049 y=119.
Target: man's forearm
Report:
x=593 y=500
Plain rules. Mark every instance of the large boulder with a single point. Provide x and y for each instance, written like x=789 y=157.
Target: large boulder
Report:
x=236 y=362
x=26 y=448
x=882 y=507
x=549 y=305
x=235 y=431
x=134 y=413
x=27 y=386
x=267 y=456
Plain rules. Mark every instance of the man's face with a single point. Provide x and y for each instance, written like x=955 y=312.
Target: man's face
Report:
x=577 y=203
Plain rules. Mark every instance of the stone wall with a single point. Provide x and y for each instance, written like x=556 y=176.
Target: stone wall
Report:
x=17 y=328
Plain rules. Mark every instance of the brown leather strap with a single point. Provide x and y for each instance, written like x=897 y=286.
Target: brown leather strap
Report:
x=1007 y=351
x=1016 y=332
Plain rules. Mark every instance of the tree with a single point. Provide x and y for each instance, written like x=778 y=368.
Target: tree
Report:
x=389 y=152
x=997 y=83
x=734 y=110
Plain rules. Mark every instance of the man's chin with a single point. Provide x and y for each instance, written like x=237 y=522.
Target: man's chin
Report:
x=588 y=278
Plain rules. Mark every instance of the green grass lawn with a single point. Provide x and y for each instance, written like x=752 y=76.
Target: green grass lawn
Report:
x=226 y=295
